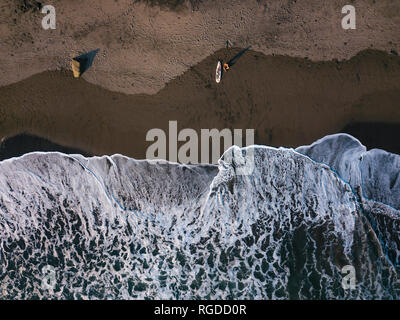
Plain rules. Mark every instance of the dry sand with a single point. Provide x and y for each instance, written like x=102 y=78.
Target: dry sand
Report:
x=142 y=47
x=289 y=101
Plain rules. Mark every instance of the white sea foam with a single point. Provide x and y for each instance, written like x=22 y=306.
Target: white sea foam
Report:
x=376 y=172
x=115 y=227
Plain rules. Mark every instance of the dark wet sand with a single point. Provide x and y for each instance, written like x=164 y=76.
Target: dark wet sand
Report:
x=24 y=143
x=289 y=101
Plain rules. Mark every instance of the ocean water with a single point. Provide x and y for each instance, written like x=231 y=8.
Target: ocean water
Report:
x=117 y=228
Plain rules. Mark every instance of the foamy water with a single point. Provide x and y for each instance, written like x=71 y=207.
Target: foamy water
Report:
x=118 y=228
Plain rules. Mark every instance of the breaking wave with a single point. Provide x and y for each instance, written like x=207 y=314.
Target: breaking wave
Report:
x=119 y=228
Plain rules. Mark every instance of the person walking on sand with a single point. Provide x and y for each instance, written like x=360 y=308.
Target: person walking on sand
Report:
x=225 y=67
x=230 y=63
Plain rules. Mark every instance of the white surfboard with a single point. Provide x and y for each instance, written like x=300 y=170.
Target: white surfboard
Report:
x=218 y=72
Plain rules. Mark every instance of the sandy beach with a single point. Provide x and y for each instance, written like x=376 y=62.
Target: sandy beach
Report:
x=145 y=44
x=288 y=101
x=303 y=78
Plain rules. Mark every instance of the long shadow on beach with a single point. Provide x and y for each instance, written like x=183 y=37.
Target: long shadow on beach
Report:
x=235 y=58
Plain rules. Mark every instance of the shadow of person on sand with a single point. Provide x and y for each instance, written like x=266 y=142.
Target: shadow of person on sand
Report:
x=86 y=60
x=232 y=61
x=235 y=58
